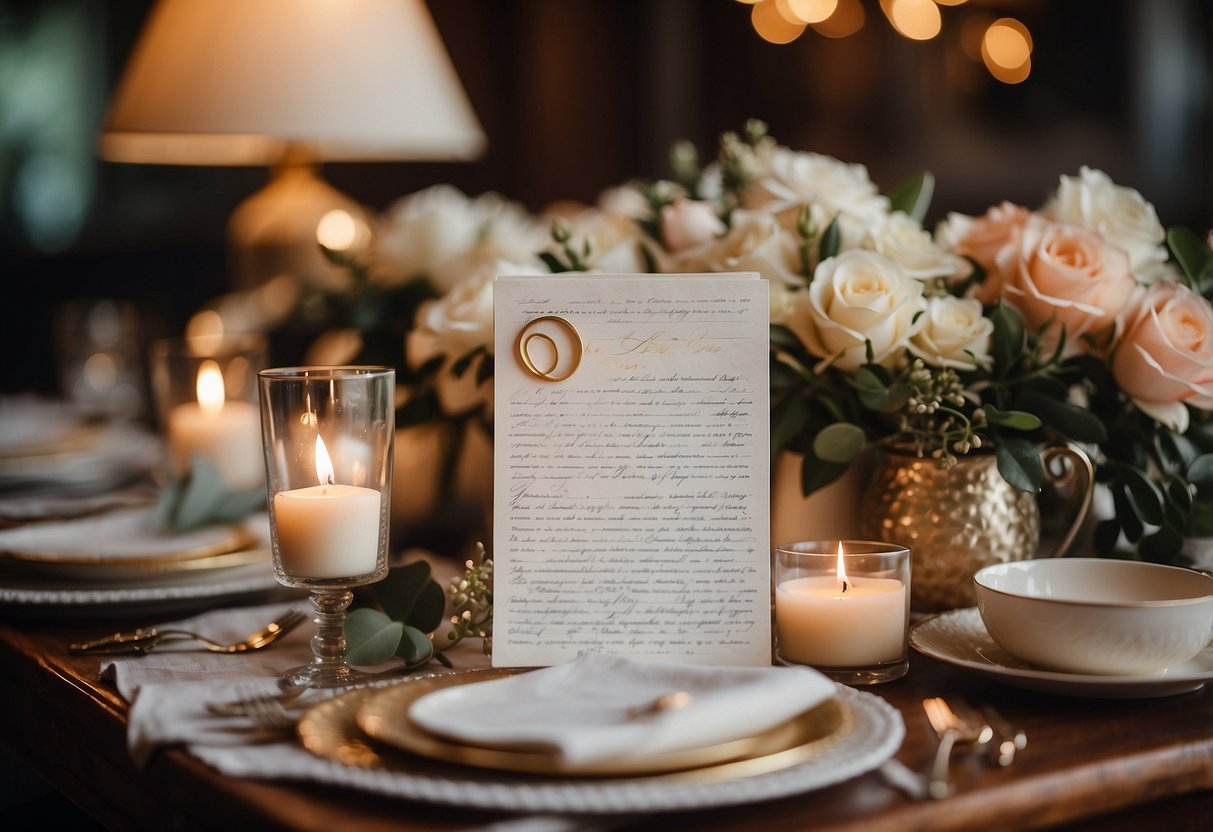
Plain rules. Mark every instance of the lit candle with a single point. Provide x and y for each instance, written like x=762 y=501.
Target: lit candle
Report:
x=841 y=620
x=327 y=530
x=228 y=433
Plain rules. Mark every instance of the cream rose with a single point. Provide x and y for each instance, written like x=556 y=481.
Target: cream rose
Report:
x=1120 y=214
x=1069 y=276
x=856 y=298
x=899 y=237
x=954 y=334
x=688 y=222
x=755 y=243
x=1165 y=359
x=993 y=240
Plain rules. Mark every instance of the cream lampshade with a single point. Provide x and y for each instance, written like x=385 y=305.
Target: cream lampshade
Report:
x=289 y=83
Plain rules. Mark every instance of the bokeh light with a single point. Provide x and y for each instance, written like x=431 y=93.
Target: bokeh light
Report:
x=806 y=11
x=1006 y=50
x=847 y=19
x=914 y=19
x=772 y=26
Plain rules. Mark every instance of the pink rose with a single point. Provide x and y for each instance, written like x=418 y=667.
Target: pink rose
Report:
x=1165 y=358
x=688 y=222
x=1069 y=276
x=992 y=240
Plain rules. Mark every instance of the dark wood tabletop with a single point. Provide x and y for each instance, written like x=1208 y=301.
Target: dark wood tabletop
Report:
x=1105 y=764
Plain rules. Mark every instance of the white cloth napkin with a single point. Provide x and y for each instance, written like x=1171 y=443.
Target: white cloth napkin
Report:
x=580 y=710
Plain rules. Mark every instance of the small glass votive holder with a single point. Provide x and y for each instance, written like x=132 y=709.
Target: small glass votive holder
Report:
x=328 y=437
x=206 y=403
x=843 y=608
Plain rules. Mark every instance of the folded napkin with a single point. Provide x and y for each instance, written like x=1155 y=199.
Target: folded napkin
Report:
x=598 y=707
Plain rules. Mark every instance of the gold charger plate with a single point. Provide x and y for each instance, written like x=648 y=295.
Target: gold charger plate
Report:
x=332 y=730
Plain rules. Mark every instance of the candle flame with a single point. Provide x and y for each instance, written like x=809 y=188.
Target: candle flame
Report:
x=324 y=463
x=210 y=388
x=842 y=570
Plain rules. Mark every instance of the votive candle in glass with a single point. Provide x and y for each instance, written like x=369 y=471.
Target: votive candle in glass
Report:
x=843 y=607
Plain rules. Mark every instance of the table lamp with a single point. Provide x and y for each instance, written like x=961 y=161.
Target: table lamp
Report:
x=290 y=84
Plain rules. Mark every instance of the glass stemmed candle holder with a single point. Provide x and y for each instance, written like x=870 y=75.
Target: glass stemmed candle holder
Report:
x=206 y=402
x=843 y=607
x=327 y=434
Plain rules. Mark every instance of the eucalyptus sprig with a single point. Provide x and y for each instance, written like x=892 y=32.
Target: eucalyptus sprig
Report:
x=200 y=497
x=410 y=607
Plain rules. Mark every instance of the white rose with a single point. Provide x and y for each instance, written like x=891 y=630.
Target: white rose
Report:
x=755 y=243
x=1120 y=214
x=687 y=222
x=856 y=298
x=954 y=333
x=422 y=233
x=462 y=319
x=899 y=237
x=623 y=201
x=796 y=179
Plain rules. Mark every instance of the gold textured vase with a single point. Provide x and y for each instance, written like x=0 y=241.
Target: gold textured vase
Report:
x=959 y=519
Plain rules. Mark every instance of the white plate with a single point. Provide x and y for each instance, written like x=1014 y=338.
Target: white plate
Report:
x=123 y=544
x=33 y=595
x=113 y=454
x=876 y=734
x=960 y=638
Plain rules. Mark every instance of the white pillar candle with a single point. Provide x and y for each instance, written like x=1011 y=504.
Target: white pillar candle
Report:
x=227 y=433
x=327 y=531
x=821 y=625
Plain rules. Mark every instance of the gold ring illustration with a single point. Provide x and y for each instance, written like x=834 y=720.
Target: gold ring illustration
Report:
x=522 y=348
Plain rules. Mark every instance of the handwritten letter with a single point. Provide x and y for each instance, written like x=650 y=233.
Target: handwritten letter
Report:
x=631 y=492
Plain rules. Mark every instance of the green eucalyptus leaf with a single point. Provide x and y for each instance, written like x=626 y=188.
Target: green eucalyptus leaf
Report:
x=552 y=262
x=414 y=647
x=1190 y=252
x=913 y=197
x=236 y=505
x=1162 y=546
x=1144 y=492
x=427 y=613
x=370 y=636
x=1008 y=343
x=166 y=507
x=1013 y=419
x=1179 y=496
x=1071 y=421
x=785 y=339
x=398 y=592
x=485 y=371
x=1019 y=463
x=830 y=241
x=203 y=490
x=1200 y=471
x=788 y=418
x=839 y=443
x=816 y=473
x=1127 y=513
x=1202 y=520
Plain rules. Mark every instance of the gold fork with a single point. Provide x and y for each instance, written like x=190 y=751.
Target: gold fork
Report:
x=145 y=639
x=951 y=729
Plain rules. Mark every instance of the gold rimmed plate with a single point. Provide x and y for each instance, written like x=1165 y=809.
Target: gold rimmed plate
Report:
x=125 y=545
x=335 y=730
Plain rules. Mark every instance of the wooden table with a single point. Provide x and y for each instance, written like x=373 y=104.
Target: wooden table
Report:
x=1090 y=764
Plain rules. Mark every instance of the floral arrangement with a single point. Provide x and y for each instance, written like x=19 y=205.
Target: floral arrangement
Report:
x=1081 y=320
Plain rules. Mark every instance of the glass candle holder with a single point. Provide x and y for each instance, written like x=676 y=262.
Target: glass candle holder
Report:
x=327 y=434
x=206 y=403
x=843 y=607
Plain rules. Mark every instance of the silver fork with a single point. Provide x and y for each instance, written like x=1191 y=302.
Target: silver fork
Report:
x=145 y=639
x=951 y=729
x=269 y=716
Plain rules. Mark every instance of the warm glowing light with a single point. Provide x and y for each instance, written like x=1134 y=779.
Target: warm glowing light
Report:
x=1007 y=43
x=1006 y=50
x=806 y=11
x=843 y=581
x=847 y=19
x=324 y=463
x=749 y=2
x=771 y=25
x=210 y=388
x=951 y=2
x=914 y=19
x=337 y=230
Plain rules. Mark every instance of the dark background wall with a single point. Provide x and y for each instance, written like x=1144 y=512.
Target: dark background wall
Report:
x=579 y=95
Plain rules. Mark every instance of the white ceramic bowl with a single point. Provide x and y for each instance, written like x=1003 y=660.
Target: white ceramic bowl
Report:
x=1091 y=615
